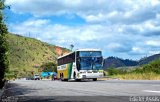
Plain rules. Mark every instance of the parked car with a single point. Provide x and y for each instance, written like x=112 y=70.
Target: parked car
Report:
x=36 y=77
x=54 y=77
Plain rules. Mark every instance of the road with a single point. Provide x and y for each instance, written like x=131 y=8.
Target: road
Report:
x=27 y=90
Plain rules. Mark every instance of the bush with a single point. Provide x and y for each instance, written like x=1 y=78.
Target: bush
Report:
x=49 y=67
x=115 y=71
x=4 y=62
x=149 y=71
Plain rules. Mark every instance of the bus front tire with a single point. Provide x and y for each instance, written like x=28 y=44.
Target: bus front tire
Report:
x=65 y=79
x=61 y=76
x=74 y=75
x=78 y=79
x=95 y=79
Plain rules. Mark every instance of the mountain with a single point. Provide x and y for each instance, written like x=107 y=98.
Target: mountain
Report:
x=146 y=60
x=26 y=54
x=118 y=62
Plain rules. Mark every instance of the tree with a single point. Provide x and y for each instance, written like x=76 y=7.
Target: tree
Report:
x=49 y=67
x=4 y=61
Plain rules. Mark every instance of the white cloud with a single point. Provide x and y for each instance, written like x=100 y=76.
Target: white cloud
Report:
x=35 y=22
x=154 y=52
x=137 y=50
x=155 y=2
x=153 y=43
x=113 y=46
x=46 y=30
x=97 y=18
x=128 y=26
x=115 y=38
x=91 y=10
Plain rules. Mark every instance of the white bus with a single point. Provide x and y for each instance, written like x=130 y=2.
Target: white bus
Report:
x=80 y=64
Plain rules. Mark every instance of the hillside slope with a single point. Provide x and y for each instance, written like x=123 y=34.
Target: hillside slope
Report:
x=119 y=62
x=28 y=53
x=148 y=59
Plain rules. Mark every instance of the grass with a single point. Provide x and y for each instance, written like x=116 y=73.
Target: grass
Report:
x=138 y=76
x=150 y=71
x=26 y=53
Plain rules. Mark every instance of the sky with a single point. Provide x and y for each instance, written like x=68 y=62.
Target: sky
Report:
x=129 y=29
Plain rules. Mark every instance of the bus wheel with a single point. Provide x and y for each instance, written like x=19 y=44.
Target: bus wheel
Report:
x=78 y=79
x=62 y=77
x=74 y=75
x=65 y=79
x=95 y=79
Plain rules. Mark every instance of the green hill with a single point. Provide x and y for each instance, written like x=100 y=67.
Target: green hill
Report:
x=149 y=59
x=119 y=62
x=26 y=54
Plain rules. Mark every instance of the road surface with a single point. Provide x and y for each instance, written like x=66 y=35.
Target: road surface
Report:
x=108 y=90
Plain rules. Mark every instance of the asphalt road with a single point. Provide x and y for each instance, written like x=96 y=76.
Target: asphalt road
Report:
x=108 y=90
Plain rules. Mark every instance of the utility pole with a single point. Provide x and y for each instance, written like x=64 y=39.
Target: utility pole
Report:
x=71 y=47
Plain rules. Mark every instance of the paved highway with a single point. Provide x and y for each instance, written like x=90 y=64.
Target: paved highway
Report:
x=56 y=90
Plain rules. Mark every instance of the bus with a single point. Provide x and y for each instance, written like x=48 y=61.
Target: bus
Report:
x=80 y=64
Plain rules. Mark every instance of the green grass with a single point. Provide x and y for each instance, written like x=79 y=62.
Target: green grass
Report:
x=25 y=53
x=149 y=71
x=138 y=76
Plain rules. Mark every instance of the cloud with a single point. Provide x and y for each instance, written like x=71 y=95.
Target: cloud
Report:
x=54 y=32
x=129 y=28
x=155 y=2
x=111 y=39
x=121 y=47
x=155 y=43
x=137 y=51
x=50 y=7
x=35 y=23
x=125 y=11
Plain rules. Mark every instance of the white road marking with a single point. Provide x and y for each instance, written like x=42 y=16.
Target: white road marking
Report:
x=151 y=91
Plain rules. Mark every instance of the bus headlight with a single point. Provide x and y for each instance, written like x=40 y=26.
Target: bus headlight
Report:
x=83 y=72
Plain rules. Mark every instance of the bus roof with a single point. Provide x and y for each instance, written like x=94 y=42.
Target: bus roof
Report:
x=65 y=55
x=88 y=50
x=79 y=50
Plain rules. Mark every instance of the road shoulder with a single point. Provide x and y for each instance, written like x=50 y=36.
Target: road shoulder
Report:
x=1 y=92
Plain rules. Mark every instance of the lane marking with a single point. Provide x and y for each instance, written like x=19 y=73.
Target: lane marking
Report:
x=151 y=91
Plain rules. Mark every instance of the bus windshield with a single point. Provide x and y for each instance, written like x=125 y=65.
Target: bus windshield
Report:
x=89 y=60
x=90 y=63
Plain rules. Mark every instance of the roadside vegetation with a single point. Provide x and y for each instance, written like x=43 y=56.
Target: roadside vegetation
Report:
x=28 y=56
x=149 y=71
x=4 y=61
x=48 y=67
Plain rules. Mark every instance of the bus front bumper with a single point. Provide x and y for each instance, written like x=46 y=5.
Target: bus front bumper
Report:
x=90 y=75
